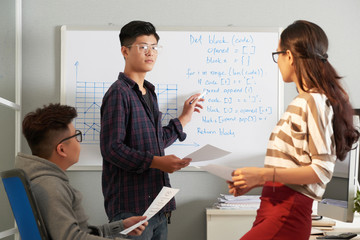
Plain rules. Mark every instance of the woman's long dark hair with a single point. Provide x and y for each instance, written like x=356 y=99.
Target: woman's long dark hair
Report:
x=309 y=44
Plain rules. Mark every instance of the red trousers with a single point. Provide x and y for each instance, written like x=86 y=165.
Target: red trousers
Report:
x=284 y=214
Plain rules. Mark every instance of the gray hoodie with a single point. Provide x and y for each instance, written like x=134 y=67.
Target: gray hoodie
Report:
x=59 y=203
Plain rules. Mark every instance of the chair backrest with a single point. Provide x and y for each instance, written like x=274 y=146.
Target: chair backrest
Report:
x=26 y=212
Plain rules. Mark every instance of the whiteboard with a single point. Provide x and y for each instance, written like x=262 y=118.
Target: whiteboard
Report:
x=244 y=97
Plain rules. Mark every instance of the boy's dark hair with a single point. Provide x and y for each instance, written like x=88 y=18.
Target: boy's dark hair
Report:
x=45 y=126
x=134 y=29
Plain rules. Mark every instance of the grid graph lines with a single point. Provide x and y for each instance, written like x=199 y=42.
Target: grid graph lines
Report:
x=88 y=101
x=167 y=98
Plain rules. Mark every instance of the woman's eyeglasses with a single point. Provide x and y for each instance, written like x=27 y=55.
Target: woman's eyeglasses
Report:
x=275 y=55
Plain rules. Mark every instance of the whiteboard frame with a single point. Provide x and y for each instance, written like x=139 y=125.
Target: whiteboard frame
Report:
x=65 y=28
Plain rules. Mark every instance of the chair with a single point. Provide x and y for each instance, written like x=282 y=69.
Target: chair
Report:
x=26 y=212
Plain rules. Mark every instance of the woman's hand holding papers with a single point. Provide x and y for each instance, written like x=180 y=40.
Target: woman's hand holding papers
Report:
x=245 y=179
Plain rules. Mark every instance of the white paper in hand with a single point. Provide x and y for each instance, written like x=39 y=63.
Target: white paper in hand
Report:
x=207 y=152
x=164 y=196
x=219 y=170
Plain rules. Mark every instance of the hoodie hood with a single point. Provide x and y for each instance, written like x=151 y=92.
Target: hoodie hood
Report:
x=36 y=167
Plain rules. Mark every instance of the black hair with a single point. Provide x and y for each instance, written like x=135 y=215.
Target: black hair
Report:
x=134 y=29
x=44 y=126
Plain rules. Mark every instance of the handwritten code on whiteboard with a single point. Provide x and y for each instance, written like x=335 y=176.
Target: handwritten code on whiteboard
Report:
x=235 y=68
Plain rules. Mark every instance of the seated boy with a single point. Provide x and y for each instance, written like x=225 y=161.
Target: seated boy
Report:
x=55 y=146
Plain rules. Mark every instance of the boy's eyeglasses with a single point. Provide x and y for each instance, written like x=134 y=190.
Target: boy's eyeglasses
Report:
x=145 y=48
x=77 y=135
x=275 y=55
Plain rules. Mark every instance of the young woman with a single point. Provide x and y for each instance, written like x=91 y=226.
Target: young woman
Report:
x=316 y=129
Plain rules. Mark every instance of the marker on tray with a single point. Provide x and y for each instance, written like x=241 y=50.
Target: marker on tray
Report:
x=201 y=96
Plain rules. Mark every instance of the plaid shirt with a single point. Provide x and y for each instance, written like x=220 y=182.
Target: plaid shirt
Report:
x=131 y=135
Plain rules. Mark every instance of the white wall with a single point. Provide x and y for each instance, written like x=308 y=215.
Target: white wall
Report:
x=7 y=115
x=41 y=67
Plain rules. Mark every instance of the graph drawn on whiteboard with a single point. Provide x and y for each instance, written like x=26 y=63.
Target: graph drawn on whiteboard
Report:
x=167 y=98
x=88 y=103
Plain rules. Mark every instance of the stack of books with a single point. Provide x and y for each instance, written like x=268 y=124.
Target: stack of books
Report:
x=240 y=202
x=322 y=224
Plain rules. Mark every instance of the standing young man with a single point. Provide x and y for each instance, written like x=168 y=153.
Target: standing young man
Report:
x=55 y=146
x=132 y=139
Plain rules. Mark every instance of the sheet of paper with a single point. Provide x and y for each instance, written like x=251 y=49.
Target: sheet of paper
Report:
x=164 y=196
x=207 y=152
x=219 y=170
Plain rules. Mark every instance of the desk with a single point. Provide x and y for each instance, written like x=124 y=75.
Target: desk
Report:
x=341 y=227
x=231 y=224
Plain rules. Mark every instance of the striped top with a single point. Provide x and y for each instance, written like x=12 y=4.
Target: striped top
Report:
x=303 y=137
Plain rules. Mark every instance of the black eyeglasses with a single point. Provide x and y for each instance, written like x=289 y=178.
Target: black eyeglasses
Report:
x=77 y=135
x=275 y=55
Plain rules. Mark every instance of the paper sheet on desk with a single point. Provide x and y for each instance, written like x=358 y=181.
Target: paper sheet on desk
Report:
x=207 y=152
x=164 y=196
